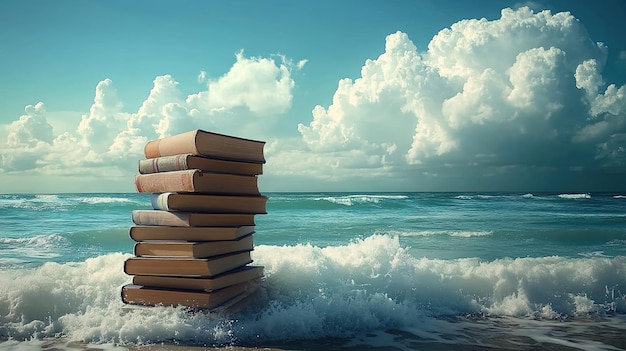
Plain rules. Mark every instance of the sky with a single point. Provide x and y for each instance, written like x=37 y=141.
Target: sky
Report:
x=349 y=95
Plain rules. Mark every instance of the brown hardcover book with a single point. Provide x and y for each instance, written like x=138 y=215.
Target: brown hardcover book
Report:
x=194 y=180
x=191 y=219
x=200 y=142
x=186 y=267
x=238 y=302
x=192 y=202
x=144 y=232
x=202 y=249
x=151 y=296
x=189 y=161
x=240 y=275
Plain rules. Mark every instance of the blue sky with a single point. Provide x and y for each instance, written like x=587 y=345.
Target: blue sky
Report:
x=349 y=95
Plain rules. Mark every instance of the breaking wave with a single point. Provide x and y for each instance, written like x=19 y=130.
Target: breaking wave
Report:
x=312 y=292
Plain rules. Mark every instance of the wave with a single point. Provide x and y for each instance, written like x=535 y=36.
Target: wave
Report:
x=522 y=196
x=311 y=292
x=470 y=197
x=350 y=200
x=64 y=202
x=39 y=241
x=47 y=197
x=24 y=250
x=574 y=196
x=104 y=200
x=494 y=196
x=72 y=246
x=454 y=233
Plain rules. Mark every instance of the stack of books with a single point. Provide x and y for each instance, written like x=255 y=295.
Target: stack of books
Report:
x=193 y=248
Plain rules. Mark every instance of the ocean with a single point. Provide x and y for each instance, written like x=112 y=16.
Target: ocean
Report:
x=345 y=271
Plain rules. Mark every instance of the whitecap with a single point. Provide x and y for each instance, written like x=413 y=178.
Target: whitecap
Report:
x=454 y=233
x=104 y=200
x=351 y=200
x=575 y=196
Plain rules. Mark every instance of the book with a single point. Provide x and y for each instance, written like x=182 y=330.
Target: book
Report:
x=186 y=267
x=189 y=161
x=195 y=180
x=144 y=232
x=191 y=219
x=239 y=275
x=200 y=142
x=192 y=249
x=152 y=296
x=238 y=302
x=192 y=202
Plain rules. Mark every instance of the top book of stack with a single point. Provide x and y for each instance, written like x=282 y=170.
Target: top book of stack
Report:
x=209 y=144
x=206 y=151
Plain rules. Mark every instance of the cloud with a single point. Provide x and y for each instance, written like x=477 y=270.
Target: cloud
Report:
x=29 y=135
x=107 y=137
x=260 y=84
x=30 y=129
x=521 y=92
x=104 y=121
x=201 y=77
x=488 y=102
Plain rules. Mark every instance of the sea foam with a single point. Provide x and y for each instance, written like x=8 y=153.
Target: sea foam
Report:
x=311 y=292
x=575 y=196
x=351 y=200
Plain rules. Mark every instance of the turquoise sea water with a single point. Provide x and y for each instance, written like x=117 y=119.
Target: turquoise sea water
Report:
x=343 y=270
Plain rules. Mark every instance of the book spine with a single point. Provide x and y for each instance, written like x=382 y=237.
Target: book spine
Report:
x=184 y=143
x=182 y=181
x=163 y=164
x=151 y=150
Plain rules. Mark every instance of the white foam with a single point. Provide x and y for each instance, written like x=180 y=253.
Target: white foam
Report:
x=46 y=197
x=454 y=233
x=39 y=241
x=311 y=292
x=56 y=202
x=351 y=200
x=104 y=200
x=42 y=202
x=38 y=247
x=574 y=196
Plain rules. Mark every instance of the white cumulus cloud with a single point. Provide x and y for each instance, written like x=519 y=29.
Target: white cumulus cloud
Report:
x=520 y=92
x=260 y=84
x=108 y=140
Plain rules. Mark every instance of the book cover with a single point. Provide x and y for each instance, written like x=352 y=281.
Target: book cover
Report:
x=197 y=181
x=200 y=142
x=239 y=275
x=189 y=161
x=145 y=232
x=192 y=202
x=186 y=267
x=153 y=296
x=192 y=249
x=191 y=219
